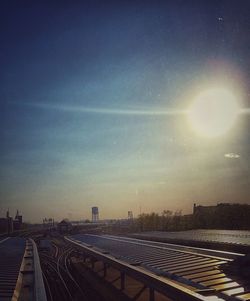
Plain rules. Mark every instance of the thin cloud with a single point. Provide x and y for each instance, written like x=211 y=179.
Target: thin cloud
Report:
x=104 y=111
x=231 y=156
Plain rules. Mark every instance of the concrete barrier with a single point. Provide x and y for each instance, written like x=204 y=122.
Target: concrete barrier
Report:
x=30 y=285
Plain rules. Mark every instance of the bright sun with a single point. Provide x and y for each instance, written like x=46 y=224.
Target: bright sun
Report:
x=213 y=112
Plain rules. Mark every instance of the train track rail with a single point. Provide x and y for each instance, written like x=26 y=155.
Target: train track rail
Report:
x=201 y=272
x=60 y=280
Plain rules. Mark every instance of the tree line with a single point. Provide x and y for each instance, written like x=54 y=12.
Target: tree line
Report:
x=222 y=216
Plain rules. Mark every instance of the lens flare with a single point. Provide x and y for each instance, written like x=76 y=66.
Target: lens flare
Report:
x=213 y=112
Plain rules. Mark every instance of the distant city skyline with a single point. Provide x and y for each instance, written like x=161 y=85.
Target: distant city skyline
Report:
x=95 y=101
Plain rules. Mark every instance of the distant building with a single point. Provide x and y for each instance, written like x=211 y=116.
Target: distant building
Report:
x=64 y=226
x=3 y=225
x=6 y=224
x=222 y=216
x=95 y=214
x=48 y=223
x=19 y=217
x=17 y=222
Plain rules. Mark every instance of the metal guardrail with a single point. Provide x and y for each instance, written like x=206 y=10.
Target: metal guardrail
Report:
x=162 y=285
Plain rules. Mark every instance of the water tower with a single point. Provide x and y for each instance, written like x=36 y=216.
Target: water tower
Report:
x=95 y=214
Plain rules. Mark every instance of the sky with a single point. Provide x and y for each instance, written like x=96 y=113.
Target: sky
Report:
x=94 y=96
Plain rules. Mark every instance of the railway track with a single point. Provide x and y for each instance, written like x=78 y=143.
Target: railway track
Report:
x=60 y=280
x=201 y=271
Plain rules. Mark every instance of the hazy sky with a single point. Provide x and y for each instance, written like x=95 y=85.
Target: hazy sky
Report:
x=92 y=99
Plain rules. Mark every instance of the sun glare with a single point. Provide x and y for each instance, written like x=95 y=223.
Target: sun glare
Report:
x=213 y=112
